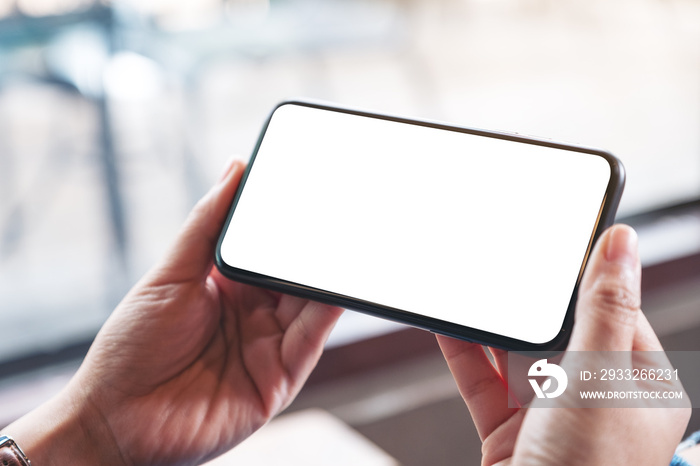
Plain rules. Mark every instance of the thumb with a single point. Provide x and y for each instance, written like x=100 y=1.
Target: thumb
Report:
x=192 y=254
x=609 y=298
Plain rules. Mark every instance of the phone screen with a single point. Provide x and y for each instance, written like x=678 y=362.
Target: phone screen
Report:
x=473 y=234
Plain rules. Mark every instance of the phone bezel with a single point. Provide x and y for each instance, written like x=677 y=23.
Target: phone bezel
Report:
x=605 y=218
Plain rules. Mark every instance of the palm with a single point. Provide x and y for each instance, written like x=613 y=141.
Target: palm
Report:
x=236 y=355
x=609 y=323
x=188 y=365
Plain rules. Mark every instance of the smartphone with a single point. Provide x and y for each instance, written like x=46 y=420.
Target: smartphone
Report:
x=474 y=234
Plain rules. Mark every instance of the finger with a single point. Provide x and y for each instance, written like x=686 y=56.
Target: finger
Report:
x=479 y=383
x=609 y=297
x=288 y=309
x=500 y=357
x=192 y=254
x=305 y=337
x=644 y=338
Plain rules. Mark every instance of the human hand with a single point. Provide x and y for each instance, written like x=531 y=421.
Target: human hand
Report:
x=188 y=365
x=608 y=318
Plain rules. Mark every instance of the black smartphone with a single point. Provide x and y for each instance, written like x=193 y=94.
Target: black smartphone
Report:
x=474 y=234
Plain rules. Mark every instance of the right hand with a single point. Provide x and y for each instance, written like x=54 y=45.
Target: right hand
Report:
x=608 y=318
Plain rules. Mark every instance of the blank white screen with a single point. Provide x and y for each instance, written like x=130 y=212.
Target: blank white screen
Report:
x=482 y=232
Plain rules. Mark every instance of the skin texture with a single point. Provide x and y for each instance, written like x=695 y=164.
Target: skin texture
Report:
x=188 y=365
x=608 y=318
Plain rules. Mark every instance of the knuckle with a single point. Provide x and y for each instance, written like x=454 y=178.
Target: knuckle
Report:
x=304 y=331
x=478 y=388
x=616 y=298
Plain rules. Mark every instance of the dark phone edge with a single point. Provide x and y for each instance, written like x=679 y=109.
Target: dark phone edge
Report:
x=606 y=218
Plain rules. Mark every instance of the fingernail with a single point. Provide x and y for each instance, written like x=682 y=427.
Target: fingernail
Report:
x=622 y=246
x=227 y=169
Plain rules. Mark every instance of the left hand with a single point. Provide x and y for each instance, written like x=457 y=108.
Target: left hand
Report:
x=188 y=365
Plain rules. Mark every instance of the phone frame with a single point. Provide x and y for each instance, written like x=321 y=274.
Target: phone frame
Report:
x=605 y=218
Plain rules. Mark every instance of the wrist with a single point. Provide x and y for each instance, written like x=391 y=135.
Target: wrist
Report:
x=11 y=453
x=65 y=430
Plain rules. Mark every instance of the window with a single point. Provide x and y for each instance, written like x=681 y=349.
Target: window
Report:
x=114 y=120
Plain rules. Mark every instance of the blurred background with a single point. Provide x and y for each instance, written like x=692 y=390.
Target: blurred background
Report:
x=116 y=116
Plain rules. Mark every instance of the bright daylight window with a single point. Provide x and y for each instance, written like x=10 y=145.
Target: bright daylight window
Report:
x=116 y=116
